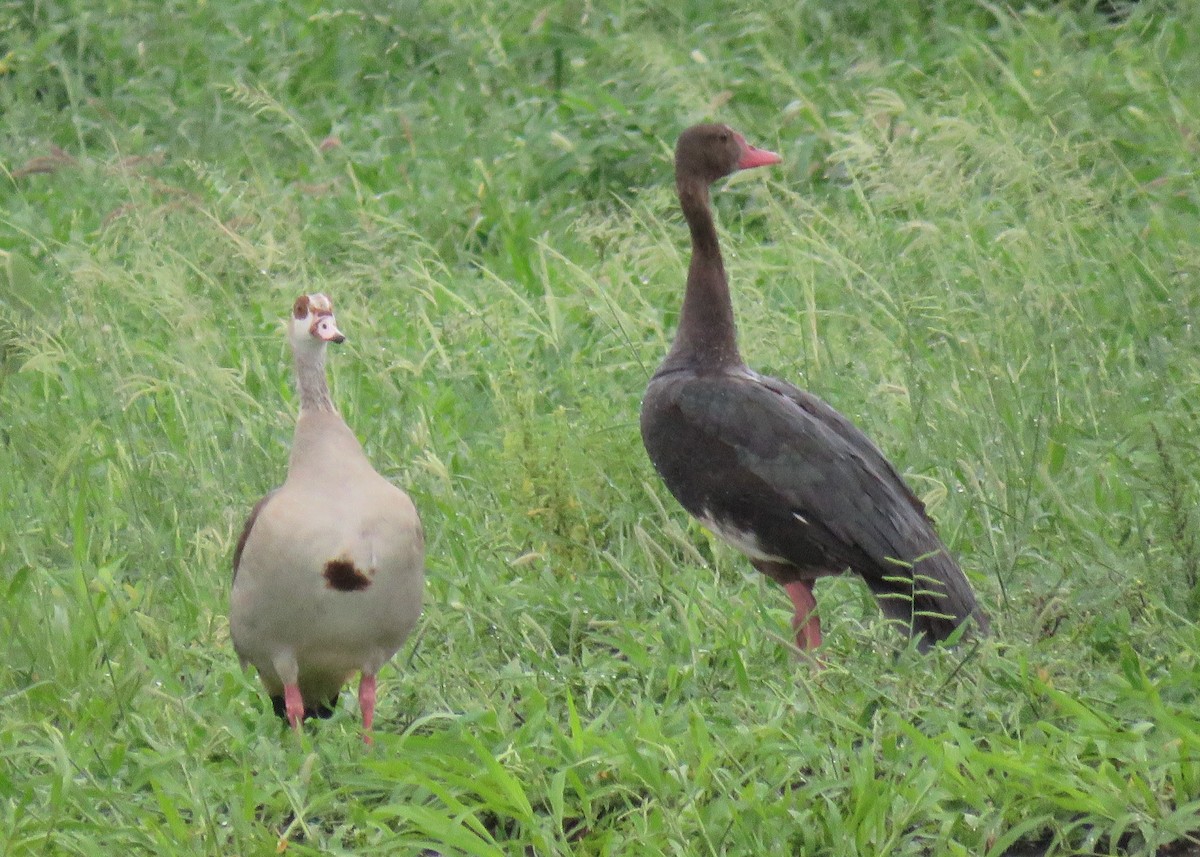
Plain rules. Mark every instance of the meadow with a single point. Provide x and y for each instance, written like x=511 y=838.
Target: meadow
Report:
x=983 y=246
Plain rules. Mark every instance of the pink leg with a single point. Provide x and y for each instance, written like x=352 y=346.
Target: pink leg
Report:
x=294 y=705
x=366 y=703
x=806 y=623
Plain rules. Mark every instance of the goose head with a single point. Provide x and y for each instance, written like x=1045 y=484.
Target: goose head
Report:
x=313 y=324
x=711 y=152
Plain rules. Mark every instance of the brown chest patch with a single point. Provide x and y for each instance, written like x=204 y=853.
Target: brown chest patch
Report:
x=340 y=574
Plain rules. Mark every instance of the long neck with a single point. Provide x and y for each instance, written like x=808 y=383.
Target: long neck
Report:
x=310 y=379
x=707 y=336
x=322 y=439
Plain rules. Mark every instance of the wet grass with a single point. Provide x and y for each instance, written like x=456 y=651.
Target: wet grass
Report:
x=982 y=247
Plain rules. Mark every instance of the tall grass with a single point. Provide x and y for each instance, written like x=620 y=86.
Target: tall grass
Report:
x=981 y=247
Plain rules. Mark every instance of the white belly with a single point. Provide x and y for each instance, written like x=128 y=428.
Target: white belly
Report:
x=743 y=540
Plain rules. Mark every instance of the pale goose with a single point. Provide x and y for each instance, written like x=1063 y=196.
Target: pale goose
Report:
x=329 y=571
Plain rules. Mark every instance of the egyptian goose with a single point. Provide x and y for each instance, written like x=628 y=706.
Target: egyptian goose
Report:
x=773 y=470
x=329 y=571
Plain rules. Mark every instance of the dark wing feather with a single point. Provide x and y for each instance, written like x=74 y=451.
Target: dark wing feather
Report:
x=241 y=542
x=812 y=488
x=824 y=471
x=844 y=429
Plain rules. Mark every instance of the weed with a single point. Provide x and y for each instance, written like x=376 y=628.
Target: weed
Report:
x=981 y=248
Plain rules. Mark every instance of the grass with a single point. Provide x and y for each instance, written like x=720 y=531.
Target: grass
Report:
x=981 y=247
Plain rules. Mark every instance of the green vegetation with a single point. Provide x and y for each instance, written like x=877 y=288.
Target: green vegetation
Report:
x=983 y=247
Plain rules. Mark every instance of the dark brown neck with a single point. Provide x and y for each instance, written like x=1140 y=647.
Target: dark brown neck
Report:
x=707 y=335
